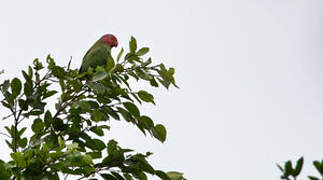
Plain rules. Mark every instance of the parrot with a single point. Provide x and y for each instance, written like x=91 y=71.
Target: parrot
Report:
x=99 y=52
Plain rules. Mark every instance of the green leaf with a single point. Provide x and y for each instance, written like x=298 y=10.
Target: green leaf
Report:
x=127 y=176
x=16 y=87
x=299 y=166
x=160 y=132
x=112 y=147
x=97 y=116
x=131 y=57
x=5 y=85
x=162 y=175
x=58 y=72
x=133 y=45
x=22 y=130
x=95 y=144
x=10 y=99
x=30 y=71
x=164 y=83
x=145 y=166
x=132 y=74
x=37 y=126
x=125 y=114
x=144 y=75
x=146 y=63
x=93 y=104
x=288 y=167
x=19 y=159
x=132 y=109
x=142 y=51
x=147 y=122
x=4 y=173
x=136 y=97
x=110 y=64
x=317 y=165
x=49 y=94
x=10 y=130
x=22 y=142
x=111 y=112
x=48 y=118
x=119 y=177
x=87 y=159
x=119 y=68
x=9 y=144
x=120 y=54
x=100 y=75
x=142 y=176
x=98 y=88
x=61 y=142
x=37 y=65
x=108 y=177
x=313 y=178
x=97 y=130
x=5 y=104
x=58 y=124
x=27 y=78
x=175 y=175
x=105 y=127
x=145 y=96
x=62 y=84
x=95 y=155
x=167 y=76
x=83 y=105
x=35 y=113
x=23 y=104
x=171 y=71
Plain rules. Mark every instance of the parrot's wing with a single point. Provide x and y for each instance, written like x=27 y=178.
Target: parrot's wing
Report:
x=94 y=57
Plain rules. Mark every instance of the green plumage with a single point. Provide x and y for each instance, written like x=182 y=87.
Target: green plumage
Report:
x=97 y=55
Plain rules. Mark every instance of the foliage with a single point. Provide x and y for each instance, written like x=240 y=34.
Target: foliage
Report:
x=68 y=139
x=290 y=173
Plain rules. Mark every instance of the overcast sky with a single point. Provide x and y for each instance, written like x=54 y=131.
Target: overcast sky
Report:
x=249 y=71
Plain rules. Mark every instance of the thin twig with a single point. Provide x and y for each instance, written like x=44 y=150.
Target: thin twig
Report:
x=5 y=134
x=6 y=117
x=141 y=67
x=97 y=171
x=65 y=178
x=115 y=104
x=62 y=107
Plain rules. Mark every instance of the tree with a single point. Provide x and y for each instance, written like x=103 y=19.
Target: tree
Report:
x=67 y=140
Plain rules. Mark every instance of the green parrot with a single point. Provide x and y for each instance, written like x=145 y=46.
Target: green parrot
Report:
x=99 y=52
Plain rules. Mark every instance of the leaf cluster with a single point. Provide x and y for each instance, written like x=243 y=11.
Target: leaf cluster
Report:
x=70 y=138
x=290 y=173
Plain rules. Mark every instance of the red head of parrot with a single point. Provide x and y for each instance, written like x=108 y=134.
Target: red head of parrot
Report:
x=110 y=40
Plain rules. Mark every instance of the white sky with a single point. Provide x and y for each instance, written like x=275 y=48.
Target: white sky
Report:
x=250 y=73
